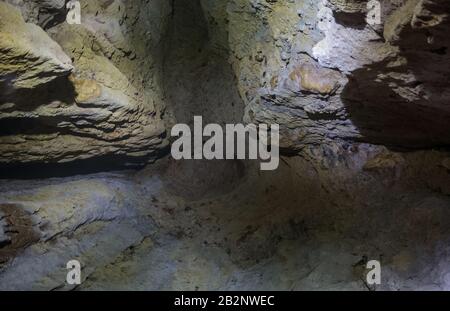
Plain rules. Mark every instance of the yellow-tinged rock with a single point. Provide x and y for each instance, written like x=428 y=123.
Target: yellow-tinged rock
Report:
x=315 y=79
x=86 y=89
x=28 y=56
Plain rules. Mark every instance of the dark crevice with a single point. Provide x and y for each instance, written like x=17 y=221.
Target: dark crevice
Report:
x=37 y=170
x=351 y=20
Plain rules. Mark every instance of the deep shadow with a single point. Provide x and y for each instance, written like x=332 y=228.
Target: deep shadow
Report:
x=58 y=90
x=351 y=20
x=198 y=79
x=38 y=170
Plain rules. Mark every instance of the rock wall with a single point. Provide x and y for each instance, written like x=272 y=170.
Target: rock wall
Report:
x=77 y=92
x=325 y=74
x=198 y=79
x=100 y=89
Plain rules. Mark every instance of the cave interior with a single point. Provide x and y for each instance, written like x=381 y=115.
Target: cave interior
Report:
x=86 y=171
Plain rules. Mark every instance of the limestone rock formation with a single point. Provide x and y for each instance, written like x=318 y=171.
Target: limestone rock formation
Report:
x=316 y=68
x=29 y=58
x=80 y=92
x=110 y=219
x=382 y=73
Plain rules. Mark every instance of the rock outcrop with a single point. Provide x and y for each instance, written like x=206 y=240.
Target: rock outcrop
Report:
x=323 y=73
x=97 y=221
x=79 y=92
x=316 y=68
x=29 y=58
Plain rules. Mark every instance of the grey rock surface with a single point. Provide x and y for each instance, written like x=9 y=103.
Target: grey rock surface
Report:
x=157 y=230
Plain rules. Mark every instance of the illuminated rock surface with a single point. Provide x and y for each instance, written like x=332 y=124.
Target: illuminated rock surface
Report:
x=101 y=107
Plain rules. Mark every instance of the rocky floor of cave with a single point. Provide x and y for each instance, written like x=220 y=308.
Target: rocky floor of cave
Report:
x=220 y=229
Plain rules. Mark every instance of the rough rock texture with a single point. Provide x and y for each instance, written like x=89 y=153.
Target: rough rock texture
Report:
x=198 y=80
x=108 y=104
x=323 y=73
x=315 y=67
x=310 y=225
x=29 y=58
x=64 y=221
x=365 y=126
